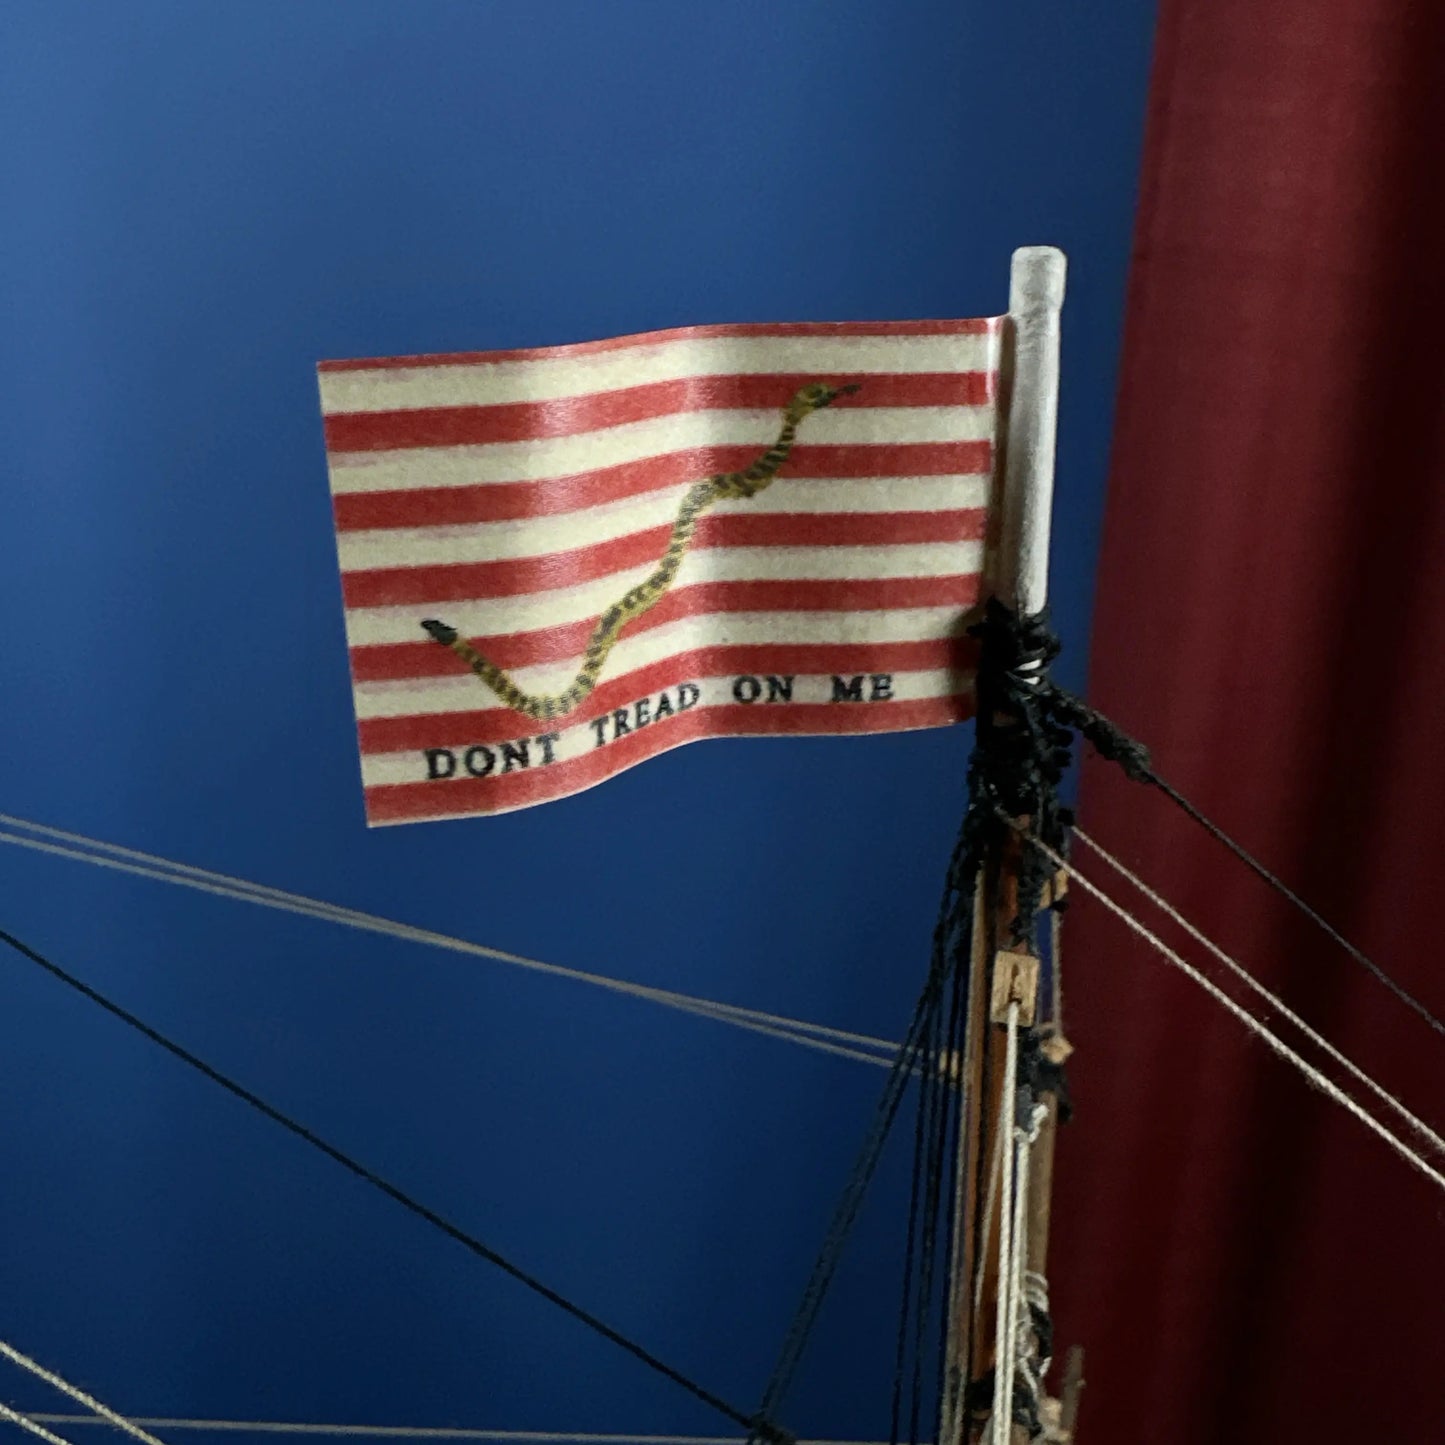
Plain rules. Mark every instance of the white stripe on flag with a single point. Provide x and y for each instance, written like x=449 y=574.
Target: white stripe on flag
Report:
x=529 y=536
x=470 y=465
x=490 y=383
x=538 y=536
x=497 y=616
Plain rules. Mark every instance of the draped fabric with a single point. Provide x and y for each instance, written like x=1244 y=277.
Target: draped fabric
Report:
x=1242 y=1261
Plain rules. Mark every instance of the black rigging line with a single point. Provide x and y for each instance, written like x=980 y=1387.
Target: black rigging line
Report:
x=1285 y=891
x=756 y=1426
x=909 y=1269
x=1112 y=743
x=940 y=1136
x=911 y=1057
x=953 y=1156
x=914 y=1307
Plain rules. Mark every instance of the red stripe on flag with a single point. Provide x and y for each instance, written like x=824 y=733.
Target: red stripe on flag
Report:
x=395 y=661
x=514 y=501
x=451 y=426
x=520 y=576
x=973 y=326
x=403 y=802
x=496 y=724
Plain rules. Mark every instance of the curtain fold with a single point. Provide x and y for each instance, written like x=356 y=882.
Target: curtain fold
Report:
x=1242 y=1261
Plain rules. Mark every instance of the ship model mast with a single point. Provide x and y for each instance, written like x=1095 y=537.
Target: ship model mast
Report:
x=1009 y=1070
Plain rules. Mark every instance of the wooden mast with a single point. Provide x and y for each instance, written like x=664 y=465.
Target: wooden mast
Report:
x=999 y=976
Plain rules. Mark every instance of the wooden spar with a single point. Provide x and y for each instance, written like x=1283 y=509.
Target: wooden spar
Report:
x=1036 y=298
x=970 y=1183
x=1021 y=578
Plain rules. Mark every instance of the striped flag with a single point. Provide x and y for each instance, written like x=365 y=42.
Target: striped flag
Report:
x=559 y=562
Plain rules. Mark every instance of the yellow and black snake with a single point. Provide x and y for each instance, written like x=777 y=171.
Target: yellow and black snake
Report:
x=700 y=496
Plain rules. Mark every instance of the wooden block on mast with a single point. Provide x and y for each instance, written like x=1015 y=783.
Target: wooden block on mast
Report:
x=1015 y=980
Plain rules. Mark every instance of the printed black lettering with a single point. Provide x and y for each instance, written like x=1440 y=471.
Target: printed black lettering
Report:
x=643 y=710
x=747 y=689
x=440 y=763
x=882 y=687
x=688 y=696
x=664 y=708
x=489 y=761
x=780 y=689
x=546 y=740
x=850 y=691
x=619 y=723
x=599 y=726
x=516 y=755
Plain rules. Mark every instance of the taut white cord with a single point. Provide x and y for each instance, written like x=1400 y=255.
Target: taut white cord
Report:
x=1254 y=1025
x=1275 y=1002
x=862 y=1048
x=1020 y=1324
x=25 y=1422
x=1003 y=1349
x=74 y=1392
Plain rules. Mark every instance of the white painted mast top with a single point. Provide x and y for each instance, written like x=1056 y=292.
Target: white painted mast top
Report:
x=1036 y=297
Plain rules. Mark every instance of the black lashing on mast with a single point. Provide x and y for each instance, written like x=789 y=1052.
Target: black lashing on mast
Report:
x=1024 y=747
x=1026 y=725
x=1025 y=731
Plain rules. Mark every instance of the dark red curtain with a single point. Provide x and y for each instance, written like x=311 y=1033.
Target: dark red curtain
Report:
x=1242 y=1261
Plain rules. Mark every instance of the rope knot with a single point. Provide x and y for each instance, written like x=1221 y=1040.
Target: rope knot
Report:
x=1019 y=647
x=1038 y=1074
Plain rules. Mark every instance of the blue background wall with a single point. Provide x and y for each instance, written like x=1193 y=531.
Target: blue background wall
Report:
x=196 y=203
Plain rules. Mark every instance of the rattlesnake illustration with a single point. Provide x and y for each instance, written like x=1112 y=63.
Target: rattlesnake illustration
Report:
x=700 y=496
